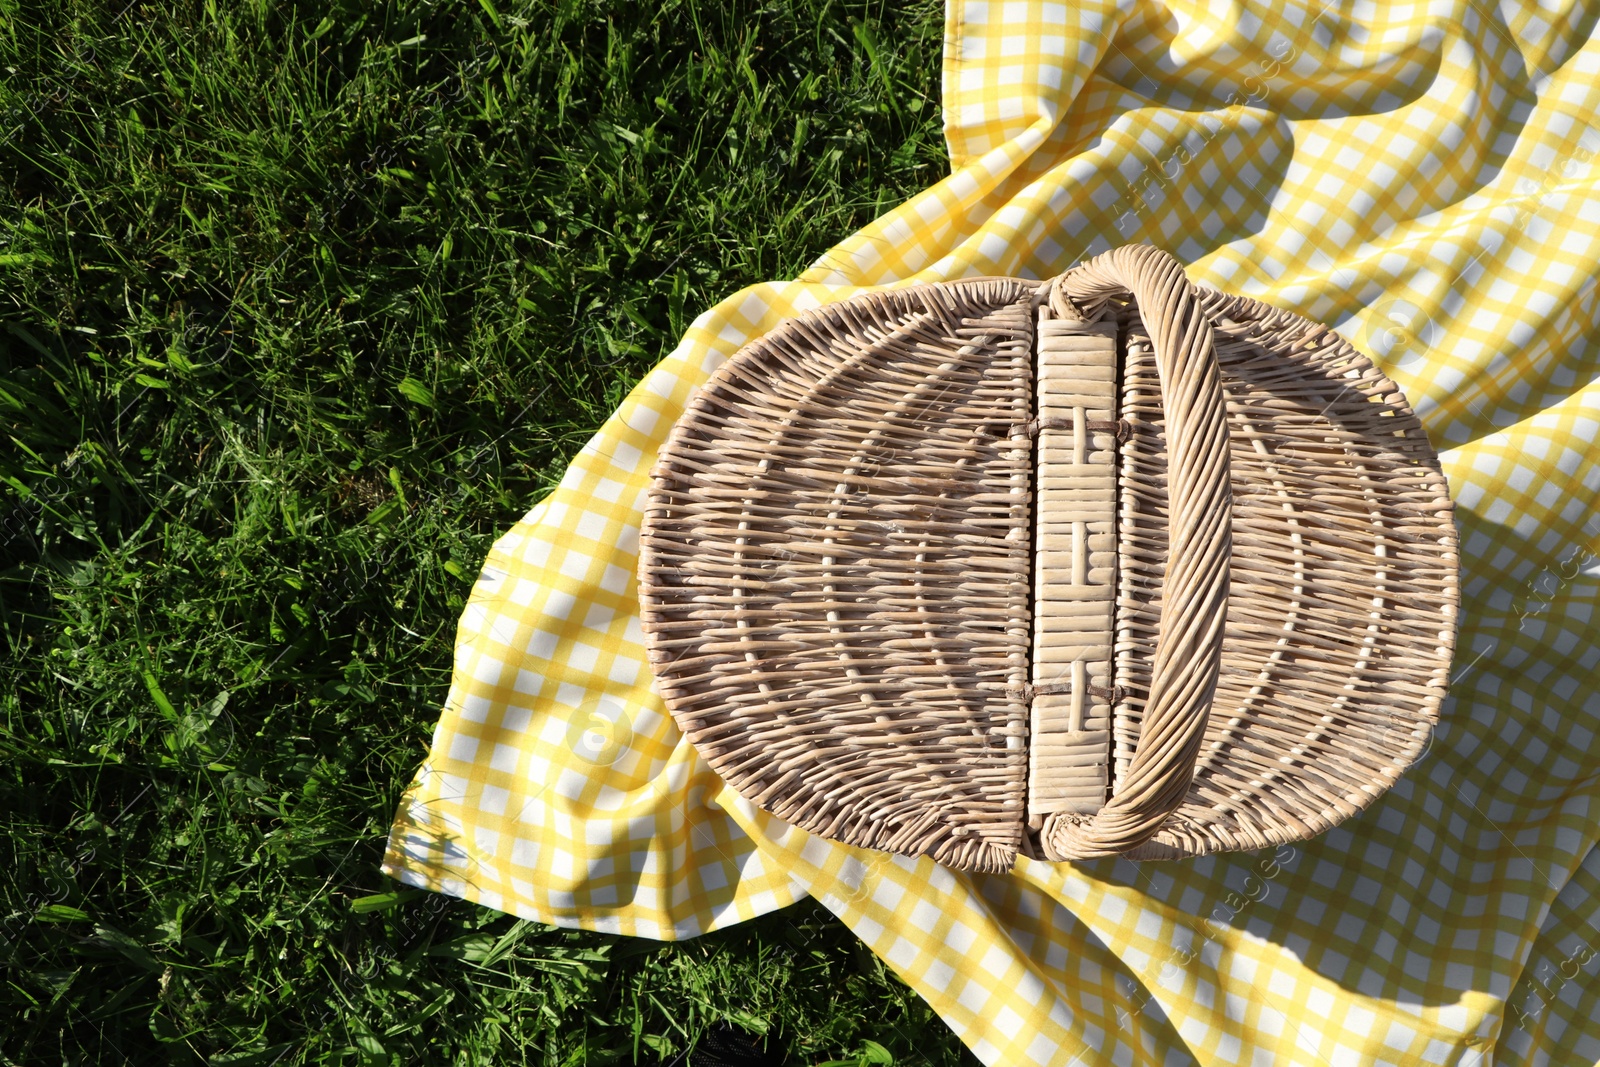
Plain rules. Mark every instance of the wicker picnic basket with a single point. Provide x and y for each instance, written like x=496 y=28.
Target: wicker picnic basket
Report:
x=1111 y=564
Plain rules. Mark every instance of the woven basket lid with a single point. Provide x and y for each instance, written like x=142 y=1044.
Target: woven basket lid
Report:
x=1112 y=564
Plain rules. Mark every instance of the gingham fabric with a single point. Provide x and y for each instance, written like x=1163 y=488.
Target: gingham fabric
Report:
x=1421 y=177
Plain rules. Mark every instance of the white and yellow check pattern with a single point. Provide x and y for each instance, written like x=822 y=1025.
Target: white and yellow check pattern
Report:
x=1420 y=176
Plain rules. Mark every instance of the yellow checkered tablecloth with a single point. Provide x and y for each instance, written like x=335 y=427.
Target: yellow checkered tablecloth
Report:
x=1420 y=177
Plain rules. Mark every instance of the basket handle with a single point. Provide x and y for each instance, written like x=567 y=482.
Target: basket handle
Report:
x=1188 y=649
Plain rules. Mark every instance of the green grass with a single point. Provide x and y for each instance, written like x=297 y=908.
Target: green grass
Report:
x=298 y=311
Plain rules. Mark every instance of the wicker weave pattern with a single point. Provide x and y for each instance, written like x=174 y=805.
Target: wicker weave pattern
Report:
x=1341 y=624
x=864 y=588
x=834 y=570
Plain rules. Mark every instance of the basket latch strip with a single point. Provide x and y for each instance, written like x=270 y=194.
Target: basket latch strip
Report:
x=1074 y=565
